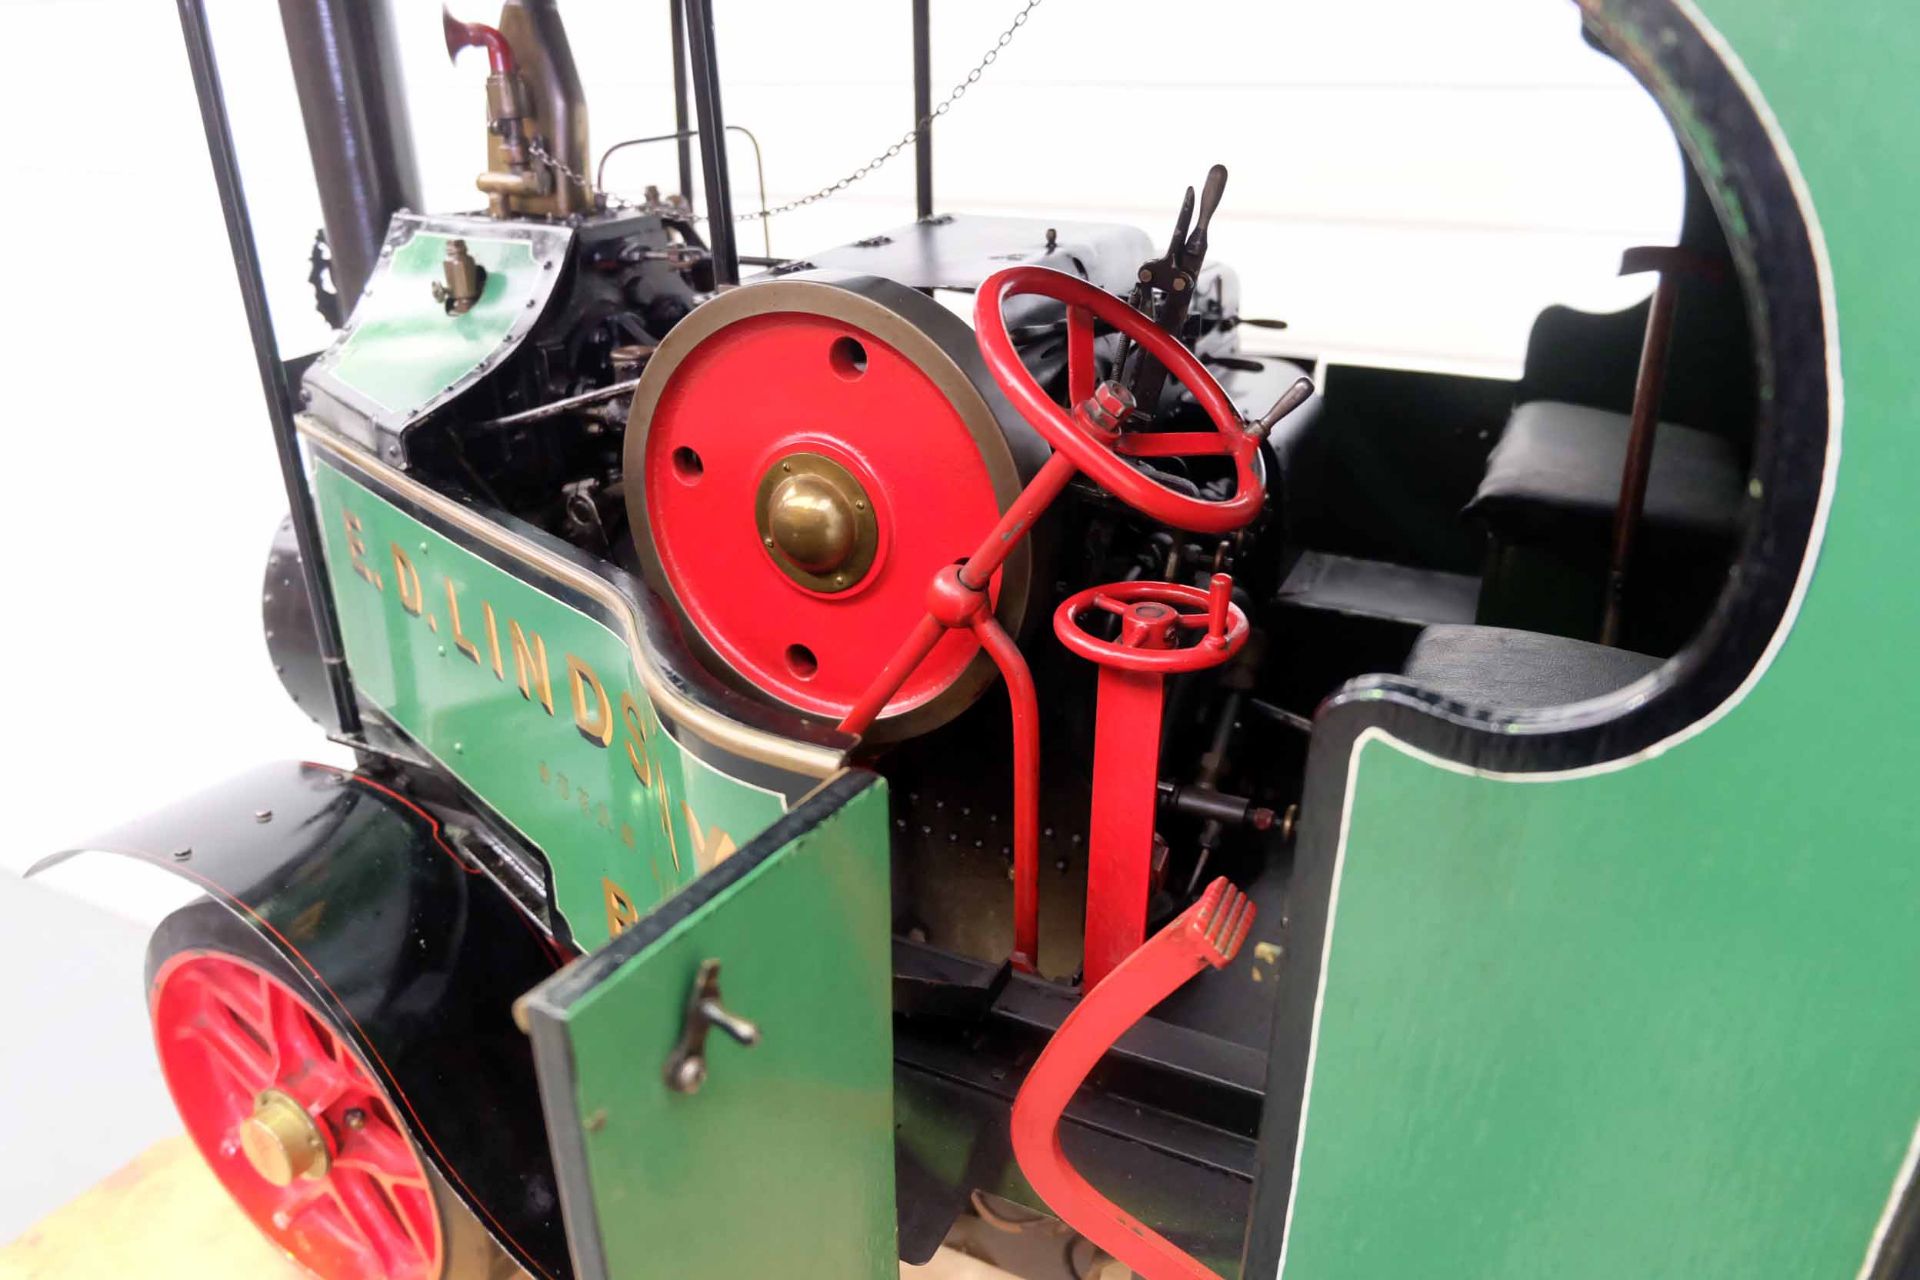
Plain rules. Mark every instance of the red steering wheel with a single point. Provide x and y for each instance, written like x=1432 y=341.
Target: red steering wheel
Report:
x=1101 y=456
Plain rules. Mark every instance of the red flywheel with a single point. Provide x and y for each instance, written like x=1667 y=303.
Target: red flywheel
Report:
x=292 y=1121
x=803 y=456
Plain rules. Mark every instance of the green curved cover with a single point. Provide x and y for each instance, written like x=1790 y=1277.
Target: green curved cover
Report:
x=1665 y=1020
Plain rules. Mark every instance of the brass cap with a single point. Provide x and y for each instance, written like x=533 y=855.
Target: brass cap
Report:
x=817 y=522
x=281 y=1140
x=811 y=522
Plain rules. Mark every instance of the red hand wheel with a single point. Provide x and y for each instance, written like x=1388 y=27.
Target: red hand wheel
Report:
x=1126 y=759
x=1100 y=456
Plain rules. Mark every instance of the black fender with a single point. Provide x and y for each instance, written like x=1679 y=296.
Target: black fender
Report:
x=414 y=953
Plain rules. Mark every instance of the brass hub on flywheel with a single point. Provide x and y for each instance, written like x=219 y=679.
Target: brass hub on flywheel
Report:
x=282 y=1142
x=816 y=522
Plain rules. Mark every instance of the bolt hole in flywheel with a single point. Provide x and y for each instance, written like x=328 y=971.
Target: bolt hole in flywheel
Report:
x=292 y=1122
x=814 y=448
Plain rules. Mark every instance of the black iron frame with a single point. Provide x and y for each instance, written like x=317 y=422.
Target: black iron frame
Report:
x=693 y=36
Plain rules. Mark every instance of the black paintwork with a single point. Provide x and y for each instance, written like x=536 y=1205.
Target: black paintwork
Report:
x=1780 y=276
x=413 y=954
x=293 y=639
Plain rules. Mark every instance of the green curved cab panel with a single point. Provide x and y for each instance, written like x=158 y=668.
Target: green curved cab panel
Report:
x=404 y=349
x=535 y=706
x=781 y=1163
x=400 y=355
x=1663 y=1020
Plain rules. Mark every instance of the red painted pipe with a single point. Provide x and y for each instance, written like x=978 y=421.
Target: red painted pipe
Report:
x=467 y=35
x=1026 y=789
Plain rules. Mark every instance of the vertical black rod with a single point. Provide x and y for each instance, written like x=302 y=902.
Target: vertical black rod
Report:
x=680 y=100
x=713 y=142
x=266 y=355
x=923 y=109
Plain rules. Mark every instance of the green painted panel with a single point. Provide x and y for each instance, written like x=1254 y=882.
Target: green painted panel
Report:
x=782 y=1163
x=1665 y=1020
x=534 y=705
x=404 y=349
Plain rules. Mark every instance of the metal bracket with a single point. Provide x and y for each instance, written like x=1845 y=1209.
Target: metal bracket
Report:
x=686 y=1068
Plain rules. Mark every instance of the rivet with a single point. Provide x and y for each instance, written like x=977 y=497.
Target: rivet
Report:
x=181 y=855
x=769 y=541
x=459 y=748
x=263 y=815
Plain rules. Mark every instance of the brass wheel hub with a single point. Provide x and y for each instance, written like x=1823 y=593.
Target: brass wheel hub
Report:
x=282 y=1142
x=816 y=522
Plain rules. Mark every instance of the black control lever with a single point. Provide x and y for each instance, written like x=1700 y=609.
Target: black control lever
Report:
x=1172 y=279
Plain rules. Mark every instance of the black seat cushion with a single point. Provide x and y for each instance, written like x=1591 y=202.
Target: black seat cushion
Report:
x=1495 y=666
x=1555 y=477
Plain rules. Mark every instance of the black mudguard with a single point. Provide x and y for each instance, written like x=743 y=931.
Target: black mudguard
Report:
x=416 y=955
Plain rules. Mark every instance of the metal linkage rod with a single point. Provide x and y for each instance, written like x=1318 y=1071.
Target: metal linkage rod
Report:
x=266 y=354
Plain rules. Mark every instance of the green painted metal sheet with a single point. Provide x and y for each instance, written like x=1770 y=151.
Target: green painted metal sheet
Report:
x=1665 y=1020
x=404 y=349
x=782 y=1163
x=534 y=705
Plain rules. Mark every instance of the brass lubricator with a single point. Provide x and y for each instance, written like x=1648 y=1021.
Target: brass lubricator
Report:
x=816 y=522
x=465 y=279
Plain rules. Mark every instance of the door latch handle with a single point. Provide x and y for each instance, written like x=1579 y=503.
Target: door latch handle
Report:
x=686 y=1068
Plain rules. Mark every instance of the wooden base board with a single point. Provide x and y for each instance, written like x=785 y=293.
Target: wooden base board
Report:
x=163 y=1217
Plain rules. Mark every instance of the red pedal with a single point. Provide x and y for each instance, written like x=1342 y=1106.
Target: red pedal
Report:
x=1209 y=933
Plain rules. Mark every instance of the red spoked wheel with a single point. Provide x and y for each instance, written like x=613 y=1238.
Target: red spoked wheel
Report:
x=297 y=1128
x=1103 y=457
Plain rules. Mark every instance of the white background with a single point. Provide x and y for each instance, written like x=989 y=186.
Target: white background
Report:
x=1412 y=182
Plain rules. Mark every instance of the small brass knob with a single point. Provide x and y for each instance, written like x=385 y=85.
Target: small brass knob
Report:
x=812 y=523
x=281 y=1141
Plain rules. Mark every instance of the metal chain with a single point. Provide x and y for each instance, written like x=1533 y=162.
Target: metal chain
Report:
x=907 y=139
x=566 y=171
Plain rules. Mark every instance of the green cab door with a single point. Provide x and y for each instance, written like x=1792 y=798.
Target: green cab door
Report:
x=765 y=1145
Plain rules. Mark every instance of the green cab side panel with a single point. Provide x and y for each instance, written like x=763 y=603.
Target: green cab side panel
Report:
x=534 y=705
x=1655 y=1022
x=782 y=1162
x=404 y=348
x=401 y=355
x=1662 y=1019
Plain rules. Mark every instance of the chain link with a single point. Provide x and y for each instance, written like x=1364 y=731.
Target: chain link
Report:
x=907 y=139
x=566 y=171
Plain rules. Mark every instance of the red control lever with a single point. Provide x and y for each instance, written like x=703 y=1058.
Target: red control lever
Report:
x=1207 y=933
x=1126 y=737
